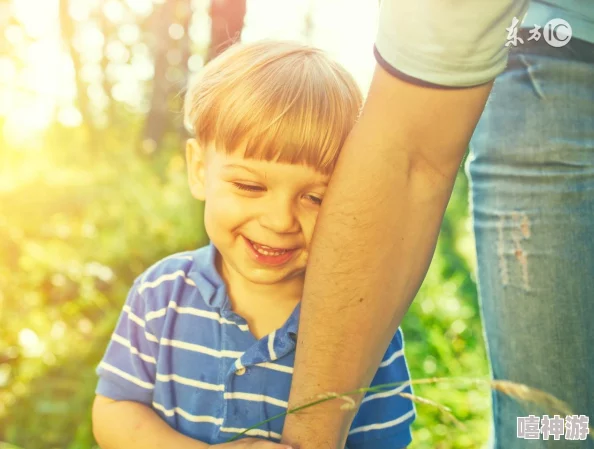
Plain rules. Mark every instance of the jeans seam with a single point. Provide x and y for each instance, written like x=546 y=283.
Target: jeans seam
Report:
x=535 y=85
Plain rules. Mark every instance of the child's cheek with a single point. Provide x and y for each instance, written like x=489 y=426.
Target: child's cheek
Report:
x=227 y=212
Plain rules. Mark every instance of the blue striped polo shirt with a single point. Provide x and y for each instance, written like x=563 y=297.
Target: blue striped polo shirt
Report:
x=180 y=349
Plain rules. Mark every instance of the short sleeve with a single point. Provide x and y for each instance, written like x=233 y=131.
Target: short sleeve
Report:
x=127 y=370
x=385 y=417
x=455 y=44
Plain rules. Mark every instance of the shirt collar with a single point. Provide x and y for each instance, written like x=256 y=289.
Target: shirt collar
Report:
x=205 y=275
x=291 y=326
x=214 y=291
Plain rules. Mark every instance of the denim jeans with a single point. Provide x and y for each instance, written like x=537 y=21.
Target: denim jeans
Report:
x=531 y=167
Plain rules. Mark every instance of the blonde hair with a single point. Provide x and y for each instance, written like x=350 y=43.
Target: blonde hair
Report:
x=286 y=102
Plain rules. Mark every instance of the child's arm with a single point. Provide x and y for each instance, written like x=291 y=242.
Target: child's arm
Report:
x=132 y=425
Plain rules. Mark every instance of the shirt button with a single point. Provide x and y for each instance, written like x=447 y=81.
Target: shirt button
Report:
x=240 y=371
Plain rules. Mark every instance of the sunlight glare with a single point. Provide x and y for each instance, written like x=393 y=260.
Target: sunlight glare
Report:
x=140 y=7
x=44 y=19
x=30 y=342
x=70 y=117
x=45 y=87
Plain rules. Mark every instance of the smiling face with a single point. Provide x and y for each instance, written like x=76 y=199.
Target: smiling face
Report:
x=260 y=215
x=269 y=120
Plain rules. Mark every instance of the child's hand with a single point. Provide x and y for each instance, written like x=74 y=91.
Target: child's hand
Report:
x=250 y=443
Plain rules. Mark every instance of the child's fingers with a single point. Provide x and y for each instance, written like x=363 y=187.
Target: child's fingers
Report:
x=270 y=445
x=256 y=443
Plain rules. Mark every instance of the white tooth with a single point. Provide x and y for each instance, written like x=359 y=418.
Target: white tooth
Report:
x=267 y=250
x=270 y=253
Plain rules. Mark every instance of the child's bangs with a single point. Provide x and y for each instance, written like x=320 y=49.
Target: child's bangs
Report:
x=295 y=110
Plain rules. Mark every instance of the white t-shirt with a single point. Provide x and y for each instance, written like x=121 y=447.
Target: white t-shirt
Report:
x=461 y=43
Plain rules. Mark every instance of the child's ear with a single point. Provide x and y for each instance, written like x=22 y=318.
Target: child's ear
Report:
x=196 y=164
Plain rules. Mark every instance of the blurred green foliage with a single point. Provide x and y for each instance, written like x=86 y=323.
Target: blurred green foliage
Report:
x=76 y=227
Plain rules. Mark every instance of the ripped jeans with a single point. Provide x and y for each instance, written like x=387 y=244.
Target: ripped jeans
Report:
x=531 y=167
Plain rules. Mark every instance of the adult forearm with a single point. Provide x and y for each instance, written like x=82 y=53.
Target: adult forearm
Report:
x=130 y=425
x=374 y=240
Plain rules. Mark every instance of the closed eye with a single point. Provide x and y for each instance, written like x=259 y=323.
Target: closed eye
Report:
x=248 y=187
x=314 y=199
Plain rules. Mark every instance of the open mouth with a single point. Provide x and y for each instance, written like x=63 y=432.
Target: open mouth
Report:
x=269 y=255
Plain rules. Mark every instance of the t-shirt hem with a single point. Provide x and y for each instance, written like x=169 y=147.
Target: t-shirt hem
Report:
x=408 y=78
x=117 y=392
x=438 y=73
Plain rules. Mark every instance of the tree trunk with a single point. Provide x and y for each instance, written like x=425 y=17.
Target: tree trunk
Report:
x=67 y=31
x=106 y=29
x=227 y=23
x=185 y=18
x=157 y=121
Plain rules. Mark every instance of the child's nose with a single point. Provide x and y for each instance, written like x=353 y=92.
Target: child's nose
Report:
x=280 y=216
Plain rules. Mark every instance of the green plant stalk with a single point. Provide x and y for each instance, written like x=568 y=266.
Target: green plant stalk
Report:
x=376 y=388
x=516 y=390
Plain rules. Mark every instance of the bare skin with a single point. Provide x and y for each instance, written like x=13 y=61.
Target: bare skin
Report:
x=373 y=242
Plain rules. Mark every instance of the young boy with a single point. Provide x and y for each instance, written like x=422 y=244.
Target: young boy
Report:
x=205 y=344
